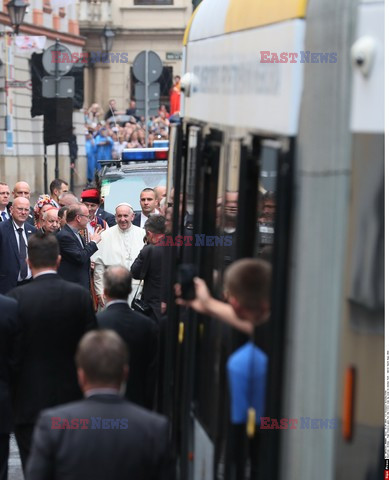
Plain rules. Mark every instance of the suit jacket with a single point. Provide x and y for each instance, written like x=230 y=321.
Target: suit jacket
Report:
x=9 y=255
x=9 y=327
x=136 y=220
x=9 y=213
x=54 y=315
x=150 y=260
x=31 y=218
x=136 y=448
x=75 y=261
x=108 y=217
x=140 y=334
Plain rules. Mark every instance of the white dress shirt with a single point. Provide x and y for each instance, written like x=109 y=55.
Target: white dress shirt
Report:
x=143 y=218
x=29 y=274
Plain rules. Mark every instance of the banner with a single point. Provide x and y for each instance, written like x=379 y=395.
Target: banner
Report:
x=25 y=44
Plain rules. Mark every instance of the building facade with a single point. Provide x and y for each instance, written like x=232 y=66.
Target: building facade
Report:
x=21 y=137
x=157 y=25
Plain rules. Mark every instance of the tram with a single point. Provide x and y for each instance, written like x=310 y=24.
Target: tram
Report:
x=283 y=96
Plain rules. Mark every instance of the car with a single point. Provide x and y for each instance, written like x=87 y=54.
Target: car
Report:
x=123 y=180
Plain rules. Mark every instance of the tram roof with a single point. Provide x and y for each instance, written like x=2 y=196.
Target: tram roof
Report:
x=218 y=17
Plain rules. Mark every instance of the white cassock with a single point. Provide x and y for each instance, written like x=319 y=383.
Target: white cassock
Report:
x=117 y=247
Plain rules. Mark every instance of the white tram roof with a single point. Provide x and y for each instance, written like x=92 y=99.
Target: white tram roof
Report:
x=218 y=17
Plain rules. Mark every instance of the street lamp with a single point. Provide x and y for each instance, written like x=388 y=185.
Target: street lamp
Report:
x=106 y=38
x=16 y=11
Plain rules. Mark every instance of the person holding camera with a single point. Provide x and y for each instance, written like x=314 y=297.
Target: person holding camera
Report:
x=247 y=284
x=148 y=265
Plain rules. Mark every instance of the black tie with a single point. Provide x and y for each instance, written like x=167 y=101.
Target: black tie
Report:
x=22 y=254
x=81 y=239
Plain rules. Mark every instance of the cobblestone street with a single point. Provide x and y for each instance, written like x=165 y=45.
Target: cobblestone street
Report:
x=14 y=465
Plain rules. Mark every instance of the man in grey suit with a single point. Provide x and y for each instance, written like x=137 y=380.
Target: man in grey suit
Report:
x=104 y=436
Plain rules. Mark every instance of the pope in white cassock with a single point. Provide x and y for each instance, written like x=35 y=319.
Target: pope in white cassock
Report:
x=120 y=245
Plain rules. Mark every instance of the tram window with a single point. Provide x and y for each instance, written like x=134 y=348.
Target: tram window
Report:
x=266 y=207
x=366 y=295
x=209 y=346
x=191 y=169
x=187 y=181
x=269 y=168
x=227 y=209
x=173 y=140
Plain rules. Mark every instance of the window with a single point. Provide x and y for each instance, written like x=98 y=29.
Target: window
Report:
x=153 y=2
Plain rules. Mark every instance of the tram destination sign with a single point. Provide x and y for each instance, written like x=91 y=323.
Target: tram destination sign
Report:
x=173 y=55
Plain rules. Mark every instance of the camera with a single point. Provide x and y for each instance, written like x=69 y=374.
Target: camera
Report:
x=186 y=274
x=363 y=53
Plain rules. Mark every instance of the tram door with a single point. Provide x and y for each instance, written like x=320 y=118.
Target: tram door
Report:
x=235 y=192
x=262 y=230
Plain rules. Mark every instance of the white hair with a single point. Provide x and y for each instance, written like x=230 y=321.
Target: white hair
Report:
x=44 y=214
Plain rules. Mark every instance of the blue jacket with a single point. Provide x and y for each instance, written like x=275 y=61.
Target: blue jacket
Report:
x=104 y=152
x=90 y=149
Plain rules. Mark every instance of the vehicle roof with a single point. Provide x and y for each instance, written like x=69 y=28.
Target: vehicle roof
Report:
x=217 y=17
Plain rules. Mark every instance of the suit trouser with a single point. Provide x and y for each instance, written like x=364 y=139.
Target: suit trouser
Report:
x=4 y=453
x=23 y=434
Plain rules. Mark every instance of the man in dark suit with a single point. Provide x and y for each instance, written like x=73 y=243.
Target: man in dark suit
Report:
x=108 y=217
x=148 y=264
x=5 y=214
x=139 y=333
x=50 y=222
x=14 y=234
x=148 y=204
x=75 y=254
x=103 y=436
x=8 y=330
x=22 y=189
x=54 y=314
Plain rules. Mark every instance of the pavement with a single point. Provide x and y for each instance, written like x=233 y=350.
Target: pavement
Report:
x=15 y=471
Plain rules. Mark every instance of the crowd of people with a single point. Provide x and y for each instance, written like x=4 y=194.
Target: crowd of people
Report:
x=66 y=261
x=108 y=133
x=67 y=267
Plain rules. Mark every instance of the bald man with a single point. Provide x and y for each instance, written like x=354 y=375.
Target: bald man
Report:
x=14 y=234
x=22 y=189
x=67 y=199
x=50 y=221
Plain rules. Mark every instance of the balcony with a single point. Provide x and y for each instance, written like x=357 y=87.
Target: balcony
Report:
x=94 y=14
